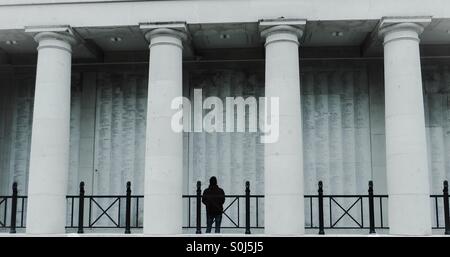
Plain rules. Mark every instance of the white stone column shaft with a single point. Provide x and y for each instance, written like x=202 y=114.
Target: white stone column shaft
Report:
x=409 y=211
x=164 y=150
x=283 y=175
x=49 y=160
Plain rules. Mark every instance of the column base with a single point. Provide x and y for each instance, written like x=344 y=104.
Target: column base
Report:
x=284 y=215
x=46 y=214
x=409 y=215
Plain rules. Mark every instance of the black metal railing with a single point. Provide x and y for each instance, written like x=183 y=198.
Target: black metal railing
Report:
x=441 y=204
x=125 y=211
x=10 y=207
x=104 y=211
x=346 y=211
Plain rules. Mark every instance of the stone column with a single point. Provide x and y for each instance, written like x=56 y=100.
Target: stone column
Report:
x=408 y=184
x=164 y=147
x=283 y=175
x=49 y=159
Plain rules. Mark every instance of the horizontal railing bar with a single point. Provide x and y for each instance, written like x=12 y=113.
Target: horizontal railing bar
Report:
x=97 y=196
x=186 y=196
x=221 y=227
x=102 y=226
x=187 y=227
x=347 y=196
x=306 y=196
x=234 y=196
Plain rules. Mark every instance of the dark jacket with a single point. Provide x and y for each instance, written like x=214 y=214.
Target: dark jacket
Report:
x=213 y=198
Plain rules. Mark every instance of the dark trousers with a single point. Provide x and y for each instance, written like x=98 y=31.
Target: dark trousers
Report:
x=210 y=219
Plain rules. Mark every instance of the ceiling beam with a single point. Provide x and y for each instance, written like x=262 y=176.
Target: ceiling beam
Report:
x=372 y=43
x=94 y=49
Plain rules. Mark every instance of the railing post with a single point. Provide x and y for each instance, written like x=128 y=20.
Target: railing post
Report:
x=371 y=209
x=12 y=230
x=446 y=209
x=199 y=208
x=247 y=207
x=80 y=209
x=128 y=209
x=320 y=191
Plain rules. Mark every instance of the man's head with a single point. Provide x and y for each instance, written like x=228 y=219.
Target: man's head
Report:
x=213 y=181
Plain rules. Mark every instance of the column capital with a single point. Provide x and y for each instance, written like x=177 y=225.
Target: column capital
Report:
x=62 y=33
x=295 y=27
x=403 y=24
x=174 y=29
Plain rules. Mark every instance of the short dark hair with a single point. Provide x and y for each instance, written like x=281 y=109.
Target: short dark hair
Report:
x=213 y=181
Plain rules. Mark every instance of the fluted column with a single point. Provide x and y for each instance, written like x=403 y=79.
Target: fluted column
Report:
x=164 y=150
x=283 y=174
x=49 y=159
x=406 y=145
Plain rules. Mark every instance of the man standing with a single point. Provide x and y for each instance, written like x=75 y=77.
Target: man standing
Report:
x=213 y=198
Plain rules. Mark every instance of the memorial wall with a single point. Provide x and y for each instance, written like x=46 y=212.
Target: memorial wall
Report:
x=343 y=129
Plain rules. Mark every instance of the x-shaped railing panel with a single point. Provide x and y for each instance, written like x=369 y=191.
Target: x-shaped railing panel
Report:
x=346 y=212
x=104 y=211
